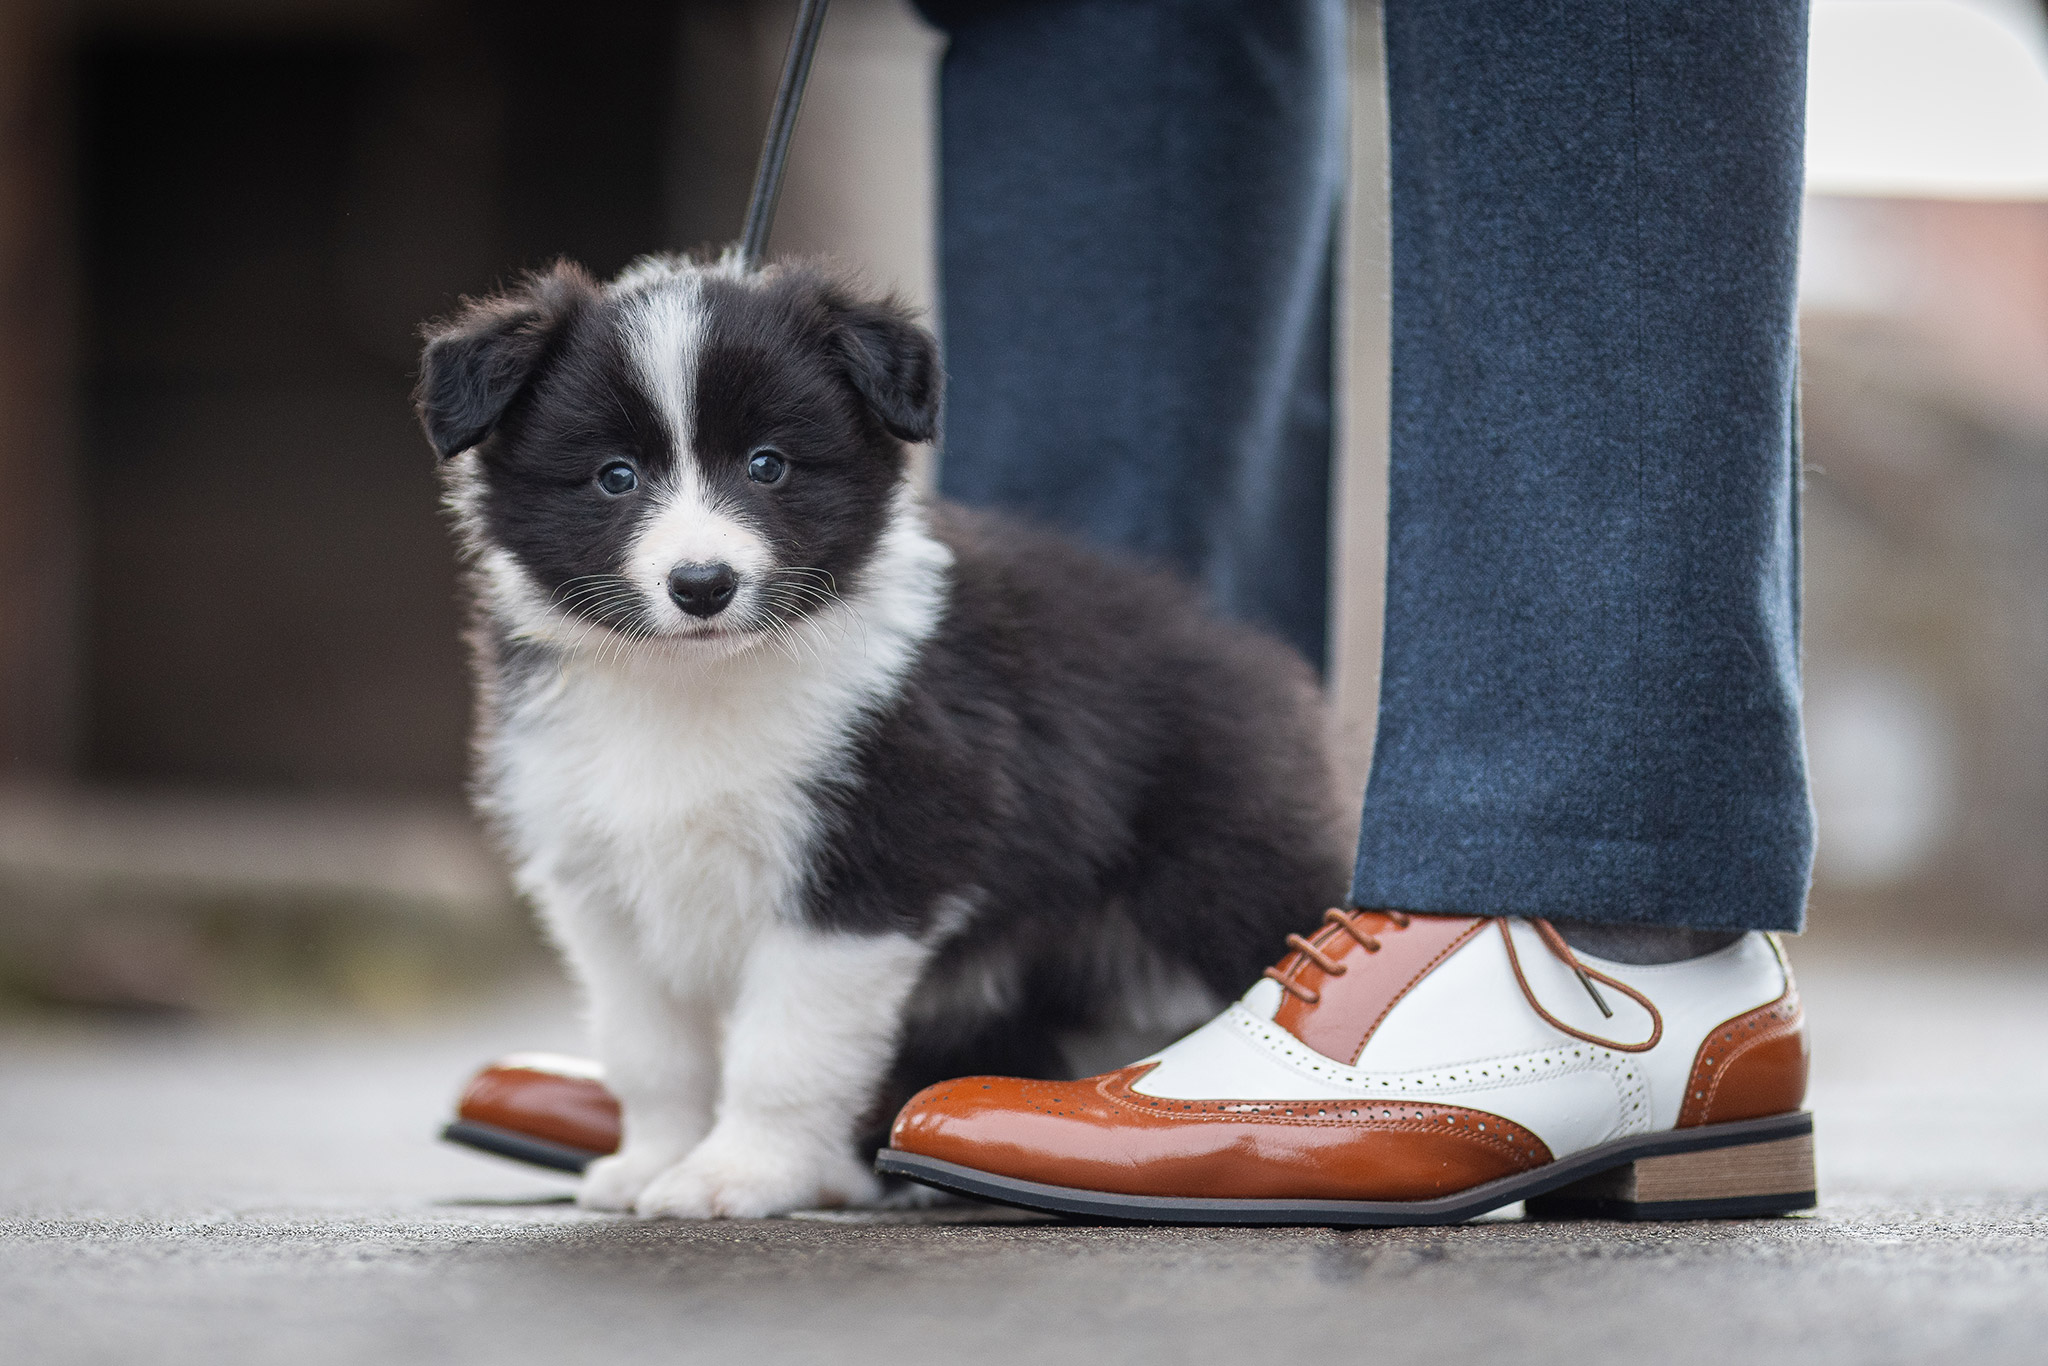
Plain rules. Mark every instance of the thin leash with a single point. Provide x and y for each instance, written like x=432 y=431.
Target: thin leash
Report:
x=789 y=98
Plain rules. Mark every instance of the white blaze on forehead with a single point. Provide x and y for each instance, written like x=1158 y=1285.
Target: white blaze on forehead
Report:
x=664 y=326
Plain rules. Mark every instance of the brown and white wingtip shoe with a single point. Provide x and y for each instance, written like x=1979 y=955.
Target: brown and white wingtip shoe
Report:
x=539 y=1108
x=1416 y=1069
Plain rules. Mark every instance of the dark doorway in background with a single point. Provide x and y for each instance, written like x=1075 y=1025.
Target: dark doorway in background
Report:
x=270 y=594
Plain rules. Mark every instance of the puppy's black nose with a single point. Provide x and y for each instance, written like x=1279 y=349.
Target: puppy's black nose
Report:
x=702 y=590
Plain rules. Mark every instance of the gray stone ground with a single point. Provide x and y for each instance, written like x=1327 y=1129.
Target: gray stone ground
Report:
x=270 y=1194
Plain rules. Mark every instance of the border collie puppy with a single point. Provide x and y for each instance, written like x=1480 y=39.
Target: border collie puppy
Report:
x=826 y=794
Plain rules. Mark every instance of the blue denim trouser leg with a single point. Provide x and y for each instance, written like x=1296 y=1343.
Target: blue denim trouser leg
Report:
x=1589 y=705
x=1138 y=205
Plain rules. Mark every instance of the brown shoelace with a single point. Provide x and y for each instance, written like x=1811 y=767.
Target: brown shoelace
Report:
x=1348 y=922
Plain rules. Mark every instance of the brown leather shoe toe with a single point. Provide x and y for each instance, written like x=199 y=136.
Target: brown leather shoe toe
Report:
x=1099 y=1134
x=540 y=1108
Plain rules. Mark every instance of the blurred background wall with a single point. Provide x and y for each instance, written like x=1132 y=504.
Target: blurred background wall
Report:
x=232 y=700
x=1925 y=314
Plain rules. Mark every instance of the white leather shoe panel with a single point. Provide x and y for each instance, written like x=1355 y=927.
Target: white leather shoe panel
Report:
x=1573 y=1109
x=1471 y=1007
x=1227 y=1059
x=1466 y=1036
x=1570 y=1096
x=1694 y=996
x=1238 y=1056
x=1263 y=1000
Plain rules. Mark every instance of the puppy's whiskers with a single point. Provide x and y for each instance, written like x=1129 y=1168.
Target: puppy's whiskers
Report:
x=602 y=603
x=806 y=586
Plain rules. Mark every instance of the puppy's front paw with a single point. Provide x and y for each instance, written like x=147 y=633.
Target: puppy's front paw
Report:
x=729 y=1177
x=616 y=1182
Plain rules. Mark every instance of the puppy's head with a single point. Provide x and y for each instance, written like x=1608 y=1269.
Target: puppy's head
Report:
x=689 y=453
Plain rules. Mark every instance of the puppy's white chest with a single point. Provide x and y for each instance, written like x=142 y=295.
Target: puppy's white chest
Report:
x=690 y=808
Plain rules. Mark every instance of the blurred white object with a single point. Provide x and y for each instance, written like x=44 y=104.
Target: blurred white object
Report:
x=1938 y=99
x=1883 y=771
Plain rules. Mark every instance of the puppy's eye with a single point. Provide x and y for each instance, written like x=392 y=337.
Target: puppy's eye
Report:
x=618 y=478
x=766 y=466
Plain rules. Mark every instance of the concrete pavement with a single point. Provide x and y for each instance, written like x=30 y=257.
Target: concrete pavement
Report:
x=224 y=1194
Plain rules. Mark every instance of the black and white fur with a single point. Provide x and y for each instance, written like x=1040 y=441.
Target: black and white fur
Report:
x=933 y=794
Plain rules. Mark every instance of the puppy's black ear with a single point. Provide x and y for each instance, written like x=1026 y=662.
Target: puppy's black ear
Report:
x=894 y=364
x=476 y=362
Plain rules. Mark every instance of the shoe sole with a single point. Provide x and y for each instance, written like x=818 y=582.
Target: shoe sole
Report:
x=537 y=1152
x=1747 y=1169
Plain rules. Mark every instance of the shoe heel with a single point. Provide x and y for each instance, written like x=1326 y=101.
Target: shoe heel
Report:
x=1740 y=1181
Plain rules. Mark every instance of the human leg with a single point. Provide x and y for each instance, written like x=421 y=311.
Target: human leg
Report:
x=1138 y=211
x=1590 y=695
